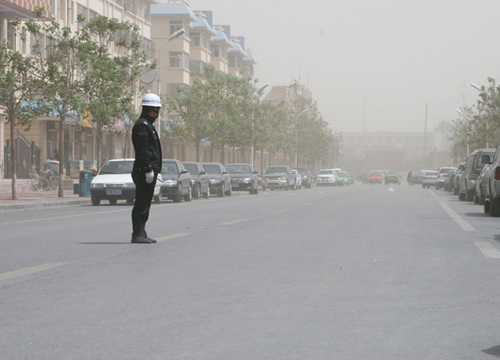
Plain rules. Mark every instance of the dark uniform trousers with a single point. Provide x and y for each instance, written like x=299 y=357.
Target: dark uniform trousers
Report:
x=143 y=196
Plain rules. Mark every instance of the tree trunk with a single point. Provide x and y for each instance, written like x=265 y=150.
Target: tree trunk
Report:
x=13 y=155
x=197 y=146
x=60 y=186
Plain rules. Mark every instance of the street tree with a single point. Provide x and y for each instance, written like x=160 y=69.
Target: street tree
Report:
x=19 y=82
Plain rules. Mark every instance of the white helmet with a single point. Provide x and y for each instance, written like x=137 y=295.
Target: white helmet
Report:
x=152 y=100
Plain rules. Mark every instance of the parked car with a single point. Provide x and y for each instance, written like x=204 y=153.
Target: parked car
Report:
x=220 y=179
x=307 y=178
x=176 y=181
x=448 y=182
x=429 y=178
x=199 y=179
x=442 y=175
x=298 y=179
x=473 y=166
x=244 y=178
x=417 y=177
x=392 y=177
x=376 y=178
x=327 y=177
x=481 y=184
x=492 y=196
x=114 y=182
x=278 y=177
x=456 y=180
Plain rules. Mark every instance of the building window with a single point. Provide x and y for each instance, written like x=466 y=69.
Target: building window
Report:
x=215 y=49
x=92 y=15
x=178 y=60
x=196 y=67
x=81 y=11
x=148 y=47
x=195 y=39
x=146 y=12
x=173 y=92
x=11 y=36
x=175 y=25
x=131 y=5
x=232 y=61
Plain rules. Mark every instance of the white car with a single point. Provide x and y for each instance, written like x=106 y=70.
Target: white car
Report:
x=327 y=177
x=114 y=182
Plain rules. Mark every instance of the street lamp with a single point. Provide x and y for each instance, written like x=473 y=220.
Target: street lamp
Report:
x=174 y=36
x=477 y=87
x=466 y=127
x=296 y=134
x=259 y=92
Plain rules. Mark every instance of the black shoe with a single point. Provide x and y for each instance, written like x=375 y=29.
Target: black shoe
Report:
x=140 y=240
x=152 y=241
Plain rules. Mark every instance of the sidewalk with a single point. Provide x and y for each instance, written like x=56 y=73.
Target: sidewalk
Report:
x=32 y=200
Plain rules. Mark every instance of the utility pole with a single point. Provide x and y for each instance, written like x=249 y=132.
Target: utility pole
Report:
x=425 y=136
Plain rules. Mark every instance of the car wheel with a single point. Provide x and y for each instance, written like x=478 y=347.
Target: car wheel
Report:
x=486 y=208
x=230 y=191
x=157 y=198
x=255 y=191
x=469 y=195
x=197 y=191
x=177 y=199
x=455 y=191
x=207 y=194
x=130 y=201
x=189 y=195
x=112 y=201
x=461 y=196
x=476 y=198
x=95 y=201
x=222 y=192
x=494 y=208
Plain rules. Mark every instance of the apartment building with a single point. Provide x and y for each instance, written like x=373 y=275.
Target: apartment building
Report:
x=79 y=142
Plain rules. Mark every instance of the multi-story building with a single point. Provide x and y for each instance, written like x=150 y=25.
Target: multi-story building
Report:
x=79 y=141
x=200 y=34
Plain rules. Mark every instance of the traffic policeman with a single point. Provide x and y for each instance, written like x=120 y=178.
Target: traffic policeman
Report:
x=147 y=165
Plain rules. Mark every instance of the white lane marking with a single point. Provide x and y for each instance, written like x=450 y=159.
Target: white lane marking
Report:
x=233 y=222
x=173 y=236
x=30 y=270
x=488 y=250
x=457 y=218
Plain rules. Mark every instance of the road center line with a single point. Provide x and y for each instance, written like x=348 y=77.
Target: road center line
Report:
x=30 y=270
x=488 y=250
x=233 y=222
x=173 y=236
x=457 y=218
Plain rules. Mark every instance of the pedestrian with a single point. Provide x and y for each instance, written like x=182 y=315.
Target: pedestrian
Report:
x=409 y=178
x=147 y=165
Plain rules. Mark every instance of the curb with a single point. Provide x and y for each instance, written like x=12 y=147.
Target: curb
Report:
x=42 y=205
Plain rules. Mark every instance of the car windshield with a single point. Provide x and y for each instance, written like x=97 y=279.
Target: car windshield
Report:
x=301 y=170
x=239 y=169
x=326 y=172
x=212 y=169
x=169 y=168
x=480 y=163
x=430 y=173
x=276 y=170
x=191 y=168
x=117 y=167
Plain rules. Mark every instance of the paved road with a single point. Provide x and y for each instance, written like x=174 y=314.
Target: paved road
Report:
x=360 y=272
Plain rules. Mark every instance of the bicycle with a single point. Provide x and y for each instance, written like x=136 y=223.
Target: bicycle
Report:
x=38 y=182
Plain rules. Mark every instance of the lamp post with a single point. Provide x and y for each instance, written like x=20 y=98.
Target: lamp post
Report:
x=175 y=35
x=297 y=135
x=259 y=92
x=479 y=88
x=466 y=127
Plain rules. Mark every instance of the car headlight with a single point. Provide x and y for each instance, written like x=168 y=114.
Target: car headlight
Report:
x=192 y=182
x=282 y=179
x=129 y=185
x=214 y=181
x=247 y=180
x=95 y=186
x=170 y=182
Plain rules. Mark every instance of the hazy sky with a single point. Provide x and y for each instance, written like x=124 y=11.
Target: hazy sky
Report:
x=372 y=62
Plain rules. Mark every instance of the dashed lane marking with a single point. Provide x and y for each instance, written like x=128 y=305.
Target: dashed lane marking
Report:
x=173 y=236
x=457 y=218
x=233 y=222
x=488 y=250
x=30 y=270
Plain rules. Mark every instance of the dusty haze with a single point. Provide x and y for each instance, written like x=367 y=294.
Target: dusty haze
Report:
x=371 y=64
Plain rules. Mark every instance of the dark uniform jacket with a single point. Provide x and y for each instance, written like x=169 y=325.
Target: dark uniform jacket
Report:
x=147 y=146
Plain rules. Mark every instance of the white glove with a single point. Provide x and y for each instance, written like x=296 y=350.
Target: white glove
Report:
x=150 y=176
